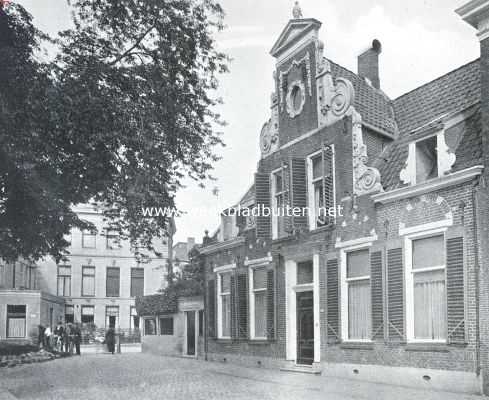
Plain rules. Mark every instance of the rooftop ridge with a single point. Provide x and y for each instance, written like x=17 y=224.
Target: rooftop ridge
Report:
x=436 y=79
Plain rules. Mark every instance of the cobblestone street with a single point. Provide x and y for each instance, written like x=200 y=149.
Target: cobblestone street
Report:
x=141 y=376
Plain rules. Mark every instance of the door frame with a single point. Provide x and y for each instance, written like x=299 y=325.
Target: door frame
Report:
x=291 y=307
x=196 y=333
x=298 y=310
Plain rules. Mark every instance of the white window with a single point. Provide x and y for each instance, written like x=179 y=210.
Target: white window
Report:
x=224 y=305
x=258 y=303
x=88 y=281
x=426 y=289
x=320 y=172
x=88 y=239
x=64 y=280
x=278 y=202
x=426 y=159
x=112 y=240
x=356 y=307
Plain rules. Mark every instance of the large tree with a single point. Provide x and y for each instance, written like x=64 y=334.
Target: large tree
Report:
x=124 y=112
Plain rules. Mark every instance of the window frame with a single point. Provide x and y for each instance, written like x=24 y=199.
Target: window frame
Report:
x=251 y=297
x=58 y=276
x=344 y=304
x=85 y=267
x=82 y=314
x=89 y=233
x=220 y=271
x=109 y=235
x=12 y=315
x=145 y=333
x=107 y=282
x=169 y=317
x=409 y=281
x=310 y=186
x=131 y=289
x=274 y=194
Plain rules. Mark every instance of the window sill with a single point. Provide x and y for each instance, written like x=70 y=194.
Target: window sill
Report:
x=321 y=229
x=431 y=347
x=357 y=345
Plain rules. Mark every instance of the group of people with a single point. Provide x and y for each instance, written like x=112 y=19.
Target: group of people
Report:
x=64 y=338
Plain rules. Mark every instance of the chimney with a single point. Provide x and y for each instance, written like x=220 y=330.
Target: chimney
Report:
x=476 y=14
x=368 y=64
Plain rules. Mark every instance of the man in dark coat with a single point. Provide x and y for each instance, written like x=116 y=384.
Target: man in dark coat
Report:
x=77 y=338
x=110 y=340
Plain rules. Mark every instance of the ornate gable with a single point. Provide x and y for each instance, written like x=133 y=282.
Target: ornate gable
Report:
x=292 y=34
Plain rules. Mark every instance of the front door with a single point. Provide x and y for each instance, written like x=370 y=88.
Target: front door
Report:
x=190 y=323
x=305 y=328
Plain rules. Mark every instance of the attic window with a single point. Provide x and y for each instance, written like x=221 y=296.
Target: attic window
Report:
x=426 y=159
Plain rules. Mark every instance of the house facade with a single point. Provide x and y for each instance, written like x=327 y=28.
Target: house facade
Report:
x=377 y=268
x=96 y=285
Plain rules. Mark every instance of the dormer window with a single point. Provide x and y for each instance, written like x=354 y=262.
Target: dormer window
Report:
x=426 y=159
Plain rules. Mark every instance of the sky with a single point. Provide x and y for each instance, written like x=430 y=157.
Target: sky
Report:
x=421 y=40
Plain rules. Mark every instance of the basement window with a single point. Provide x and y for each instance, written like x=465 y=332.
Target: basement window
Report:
x=426 y=159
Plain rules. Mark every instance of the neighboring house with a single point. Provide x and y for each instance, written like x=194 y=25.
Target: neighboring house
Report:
x=101 y=277
x=25 y=303
x=392 y=283
x=96 y=285
x=181 y=251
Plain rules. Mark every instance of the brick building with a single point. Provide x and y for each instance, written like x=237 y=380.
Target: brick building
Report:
x=385 y=277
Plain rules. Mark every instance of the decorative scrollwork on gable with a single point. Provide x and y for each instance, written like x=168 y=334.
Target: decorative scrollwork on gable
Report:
x=306 y=60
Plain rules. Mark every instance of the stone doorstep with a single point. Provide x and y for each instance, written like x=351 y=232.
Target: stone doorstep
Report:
x=303 y=369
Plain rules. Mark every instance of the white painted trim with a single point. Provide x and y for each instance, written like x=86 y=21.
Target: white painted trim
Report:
x=251 y=296
x=290 y=310
x=258 y=261
x=409 y=281
x=219 y=304
x=317 y=314
x=356 y=243
x=309 y=38
x=429 y=186
x=344 y=287
x=425 y=227
x=224 y=268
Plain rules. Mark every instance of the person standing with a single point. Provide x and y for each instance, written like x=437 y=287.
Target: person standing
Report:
x=77 y=338
x=47 y=335
x=110 y=340
x=40 y=337
x=69 y=343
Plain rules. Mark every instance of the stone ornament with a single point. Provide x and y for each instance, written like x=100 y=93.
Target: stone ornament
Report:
x=336 y=101
x=293 y=104
x=306 y=60
x=297 y=11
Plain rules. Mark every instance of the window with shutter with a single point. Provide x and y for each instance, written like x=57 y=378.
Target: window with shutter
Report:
x=332 y=300
x=64 y=280
x=258 y=302
x=321 y=187
x=224 y=305
x=455 y=290
x=395 y=294
x=262 y=194
x=356 y=283
x=377 y=295
x=426 y=289
x=271 y=304
x=281 y=222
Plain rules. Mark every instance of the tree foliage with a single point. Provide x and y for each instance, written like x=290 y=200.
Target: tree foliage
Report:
x=124 y=111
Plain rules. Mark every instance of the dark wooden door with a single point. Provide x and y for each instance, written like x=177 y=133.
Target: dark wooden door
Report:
x=305 y=328
x=190 y=333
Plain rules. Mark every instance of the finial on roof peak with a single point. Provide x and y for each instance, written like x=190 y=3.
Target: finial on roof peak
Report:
x=297 y=11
